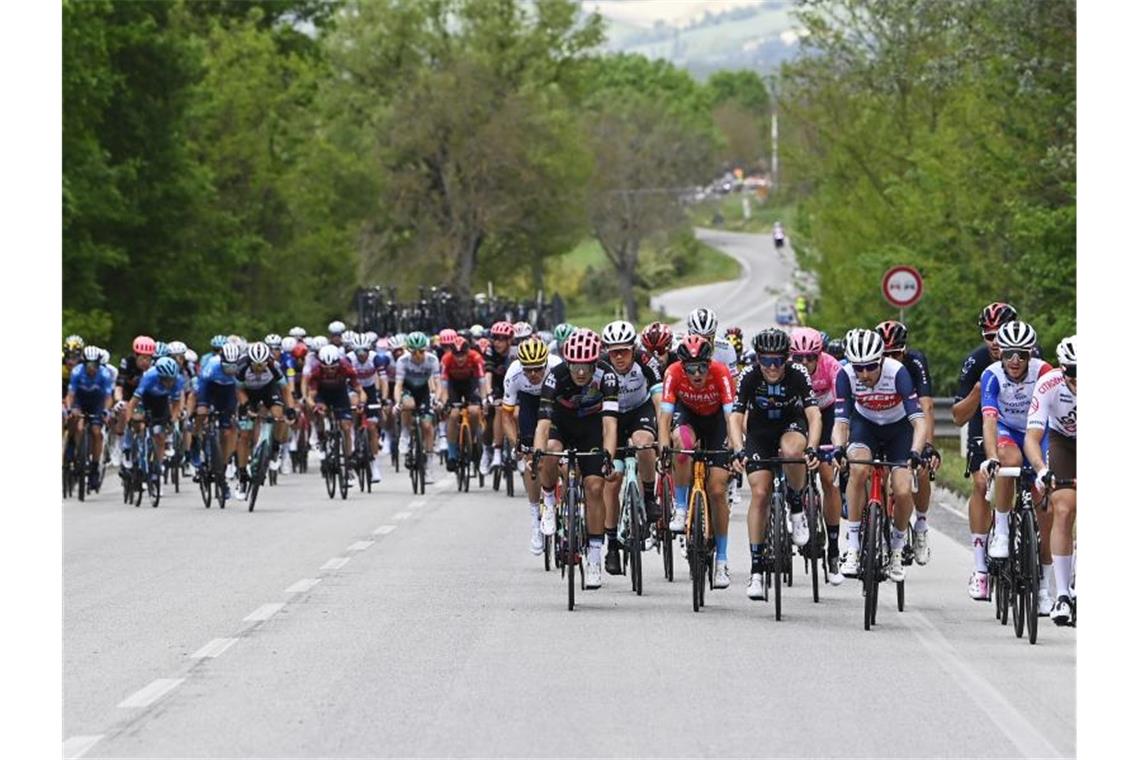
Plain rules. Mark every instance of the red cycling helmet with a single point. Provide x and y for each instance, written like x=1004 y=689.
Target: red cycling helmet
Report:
x=144 y=345
x=734 y=331
x=458 y=344
x=657 y=338
x=995 y=315
x=694 y=348
x=503 y=330
x=893 y=334
x=300 y=350
x=582 y=347
x=447 y=336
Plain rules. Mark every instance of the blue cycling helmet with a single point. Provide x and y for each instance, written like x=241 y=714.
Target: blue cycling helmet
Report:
x=217 y=341
x=824 y=337
x=161 y=349
x=166 y=367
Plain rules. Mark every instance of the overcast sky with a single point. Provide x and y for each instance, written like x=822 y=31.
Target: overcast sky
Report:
x=645 y=12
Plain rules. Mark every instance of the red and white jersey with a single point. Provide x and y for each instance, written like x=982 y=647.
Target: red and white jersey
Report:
x=1054 y=406
x=1008 y=399
x=716 y=394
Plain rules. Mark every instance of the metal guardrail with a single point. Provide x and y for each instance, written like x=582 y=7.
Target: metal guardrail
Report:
x=944 y=426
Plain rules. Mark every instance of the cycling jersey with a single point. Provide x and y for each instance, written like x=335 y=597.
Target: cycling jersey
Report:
x=890 y=400
x=454 y=372
x=1053 y=405
x=80 y=382
x=724 y=352
x=151 y=385
x=917 y=366
x=416 y=374
x=67 y=370
x=823 y=380
x=771 y=404
x=333 y=379
x=716 y=394
x=639 y=383
x=516 y=382
x=561 y=395
x=1008 y=399
x=213 y=373
x=368 y=369
x=249 y=379
x=495 y=365
x=129 y=375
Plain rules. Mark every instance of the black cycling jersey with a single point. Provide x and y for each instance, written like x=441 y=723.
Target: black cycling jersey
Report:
x=918 y=367
x=249 y=379
x=495 y=365
x=130 y=374
x=562 y=396
x=774 y=404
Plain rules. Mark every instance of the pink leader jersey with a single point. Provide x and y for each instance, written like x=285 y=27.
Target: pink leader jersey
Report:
x=823 y=380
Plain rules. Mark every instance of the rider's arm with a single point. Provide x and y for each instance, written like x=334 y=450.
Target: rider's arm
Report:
x=1032 y=447
x=844 y=405
x=990 y=389
x=665 y=409
x=736 y=430
x=904 y=386
x=815 y=425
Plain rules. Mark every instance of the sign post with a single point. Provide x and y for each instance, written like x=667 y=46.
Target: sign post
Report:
x=902 y=287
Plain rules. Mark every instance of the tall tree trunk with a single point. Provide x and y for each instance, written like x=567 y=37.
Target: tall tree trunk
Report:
x=627 y=279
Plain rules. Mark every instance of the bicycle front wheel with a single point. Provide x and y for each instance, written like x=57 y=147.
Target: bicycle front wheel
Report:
x=872 y=561
x=1030 y=571
x=633 y=504
x=570 y=506
x=81 y=466
x=777 y=539
x=696 y=543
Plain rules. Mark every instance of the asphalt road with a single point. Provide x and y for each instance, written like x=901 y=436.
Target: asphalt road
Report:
x=392 y=625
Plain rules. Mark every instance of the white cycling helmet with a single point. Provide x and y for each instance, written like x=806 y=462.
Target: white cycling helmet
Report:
x=92 y=354
x=297 y=332
x=348 y=338
x=259 y=353
x=618 y=333
x=329 y=355
x=477 y=331
x=273 y=340
x=396 y=342
x=191 y=356
x=523 y=330
x=319 y=342
x=231 y=353
x=702 y=321
x=288 y=344
x=1067 y=351
x=863 y=346
x=371 y=338
x=105 y=356
x=1016 y=335
x=336 y=327
x=176 y=347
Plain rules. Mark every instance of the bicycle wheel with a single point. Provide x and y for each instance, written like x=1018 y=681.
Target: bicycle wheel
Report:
x=813 y=514
x=477 y=456
x=633 y=504
x=696 y=542
x=664 y=535
x=1002 y=596
x=569 y=505
x=343 y=474
x=259 y=454
x=1030 y=571
x=80 y=459
x=872 y=554
x=509 y=466
x=777 y=533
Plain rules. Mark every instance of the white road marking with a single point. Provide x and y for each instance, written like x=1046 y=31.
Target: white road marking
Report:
x=360 y=546
x=383 y=530
x=302 y=585
x=152 y=692
x=214 y=649
x=401 y=515
x=417 y=503
x=264 y=612
x=77 y=746
x=952 y=510
x=336 y=563
x=1024 y=735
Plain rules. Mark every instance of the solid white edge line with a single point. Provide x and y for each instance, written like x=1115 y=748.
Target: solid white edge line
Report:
x=383 y=530
x=401 y=515
x=952 y=510
x=213 y=649
x=360 y=546
x=302 y=585
x=152 y=692
x=77 y=746
x=336 y=563
x=264 y=612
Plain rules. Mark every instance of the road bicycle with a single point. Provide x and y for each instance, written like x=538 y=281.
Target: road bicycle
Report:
x=362 y=448
x=663 y=488
x=262 y=453
x=79 y=462
x=632 y=522
x=145 y=474
x=700 y=545
x=778 y=546
x=172 y=469
x=334 y=467
x=300 y=455
x=417 y=457
x=470 y=451
x=570 y=533
x=505 y=473
x=212 y=474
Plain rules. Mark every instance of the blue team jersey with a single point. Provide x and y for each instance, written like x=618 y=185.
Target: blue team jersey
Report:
x=152 y=385
x=81 y=382
x=212 y=372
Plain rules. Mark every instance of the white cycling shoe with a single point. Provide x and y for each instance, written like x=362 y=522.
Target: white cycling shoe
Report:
x=756 y=586
x=405 y=443
x=850 y=568
x=536 y=541
x=895 y=571
x=720 y=575
x=800 y=532
x=593 y=575
x=979 y=588
x=999 y=545
x=547 y=520
x=1044 y=602
x=485 y=462
x=677 y=524
x=922 y=546
x=376 y=476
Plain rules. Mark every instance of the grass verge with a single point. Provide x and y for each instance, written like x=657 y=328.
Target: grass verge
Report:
x=953 y=465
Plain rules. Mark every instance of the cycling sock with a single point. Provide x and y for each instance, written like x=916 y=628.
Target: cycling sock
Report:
x=1001 y=522
x=534 y=518
x=919 y=522
x=452 y=450
x=611 y=539
x=832 y=540
x=757 y=552
x=1047 y=574
x=979 y=552
x=594 y=552
x=722 y=548
x=548 y=497
x=647 y=489
x=898 y=538
x=681 y=498
x=795 y=503
x=853 y=537
x=1062 y=573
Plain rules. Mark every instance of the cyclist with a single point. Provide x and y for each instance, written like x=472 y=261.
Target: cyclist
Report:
x=836 y=349
x=394 y=350
x=417 y=383
x=696 y=401
x=657 y=340
x=783 y=420
x=562 y=331
x=807 y=349
x=639 y=395
x=778 y=236
x=579 y=410
x=968 y=409
x=461 y=374
x=336 y=336
x=131 y=370
x=90 y=391
x=877 y=413
x=496 y=359
x=160 y=392
x=1007 y=390
x=329 y=386
x=260 y=383
x=894 y=336
x=703 y=322
x=217 y=391
x=371 y=371
x=735 y=337
x=72 y=357
x=522 y=391
x=801 y=310
x=1053 y=412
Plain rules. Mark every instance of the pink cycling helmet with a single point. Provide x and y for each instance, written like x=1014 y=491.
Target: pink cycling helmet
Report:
x=447 y=336
x=582 y=347
x=806 y=340
x=144 y=345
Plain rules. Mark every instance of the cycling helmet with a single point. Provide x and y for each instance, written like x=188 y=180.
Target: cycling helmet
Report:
x=484 y=344
x=259 y=353
x=805 y=340
x=236 y=339
x=191 y=356
x=533 y=353
x=582 y=347
x=176 y=348
x=217 y=342
x=1066 y=351
x=231 y=353
x=144 y=345
x=348 y=338
x=499 y=330
x=733 y=331
x=863 y=346
x=273 y=340
x=319 y=342
x=893 y=334
x=702 y=321
x=336 y=327
x=619 y=333
x=417 y=341
x=166 y=367
x=95 y=354
x=447 y=336
x=459 y=345
x=995 y=315
x=161 y=349
x=396 y=342
x=329 y=356
x=546 y=336
x=562 y=331
x=1016 y=335
x=657 y=337
x=73 y=343
x=836 y=348
x=523 y=330
x=297 y=332
x=288 y=344
x=477 y=331
x=361 y=343
x=771 y=341
x=300 y=350
x=694 y=348
x=371 y=338
x=824 y=338
x=735 y=336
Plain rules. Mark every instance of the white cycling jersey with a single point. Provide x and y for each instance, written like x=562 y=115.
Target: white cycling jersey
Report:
x=516 y=381
x=367 y=370
x=1054 y=406
x=724 y=352
x=891 y=399
x=416 y=374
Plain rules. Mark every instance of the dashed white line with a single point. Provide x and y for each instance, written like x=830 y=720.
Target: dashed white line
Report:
x=417 y=503
x=383 y=530
x=336 y=563
x=360 y=546
x=77 y=746
x=151 y=693
x=214 y=649
x=302 y=585
x=401 y=515
x=264 y=612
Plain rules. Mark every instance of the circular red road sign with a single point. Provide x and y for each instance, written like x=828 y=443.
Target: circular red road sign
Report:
x=902 y=286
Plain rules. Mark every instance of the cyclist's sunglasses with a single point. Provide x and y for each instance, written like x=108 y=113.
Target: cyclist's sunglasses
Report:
x=869 y=367
x=989 y=337
x=802 y=358
x=771 y=361
x=1020 y=354
x=620 y=350
x=229 y=366
x=1070 y=371
x=534 y=370
x=696 y=368
x=581 y=369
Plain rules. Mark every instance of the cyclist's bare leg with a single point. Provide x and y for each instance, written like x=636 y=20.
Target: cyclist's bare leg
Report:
x=792 y=445
x=903 y=495
x=832 y=504
x=717 y=485
x=475 y=415
x=1063 y=508
x=760 y=482
x=857 y=483
x=1008 y=455
x=682 y=463
x=979 y=507
x=595 y=506
x=548 y=467
x=453 y=426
